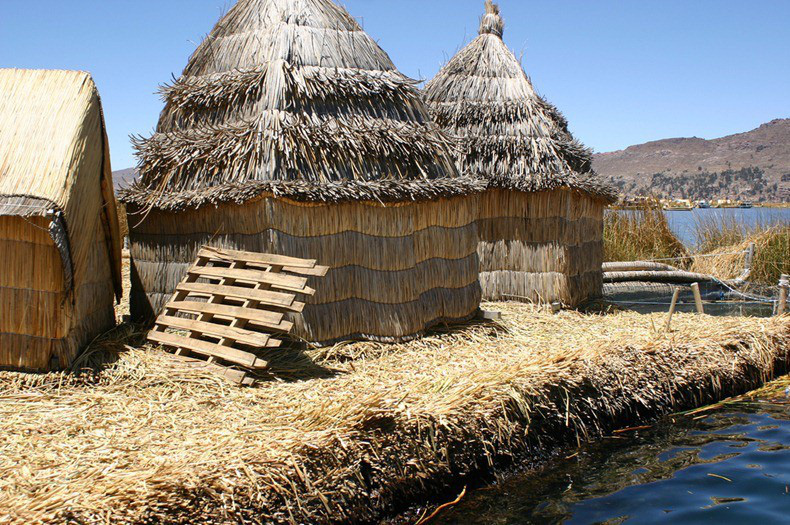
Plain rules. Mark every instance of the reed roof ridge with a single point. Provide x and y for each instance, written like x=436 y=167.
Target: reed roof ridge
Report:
x=492 y=22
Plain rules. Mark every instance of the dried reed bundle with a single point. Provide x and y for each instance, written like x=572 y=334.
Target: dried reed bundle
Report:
x=59 y=233
x=377 y=428
x=771 y=256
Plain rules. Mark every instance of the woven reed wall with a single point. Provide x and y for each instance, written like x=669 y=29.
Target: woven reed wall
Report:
x=395 y=270
x=42 y=324
x=540 y=247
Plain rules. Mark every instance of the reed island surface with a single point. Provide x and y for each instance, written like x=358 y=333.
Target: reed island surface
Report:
x=355 y=432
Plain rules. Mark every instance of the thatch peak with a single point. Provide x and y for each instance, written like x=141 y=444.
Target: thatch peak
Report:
x=492 y=22
x=42 y=130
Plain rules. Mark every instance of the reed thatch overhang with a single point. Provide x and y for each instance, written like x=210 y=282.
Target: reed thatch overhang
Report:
x=43 y=138
x=384 y=191
x=292 y=98
x=506 y=133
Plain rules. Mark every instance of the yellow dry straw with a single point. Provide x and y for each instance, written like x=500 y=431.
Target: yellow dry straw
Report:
x=376 y=428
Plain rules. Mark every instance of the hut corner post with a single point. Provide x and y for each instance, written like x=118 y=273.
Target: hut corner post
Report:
x=673 y=307
x=697 y=298
x=784 y=287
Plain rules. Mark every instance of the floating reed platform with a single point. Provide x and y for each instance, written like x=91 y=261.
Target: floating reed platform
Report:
x=356 y=432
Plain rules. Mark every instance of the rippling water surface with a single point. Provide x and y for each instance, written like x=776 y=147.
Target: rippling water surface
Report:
x=725 y=466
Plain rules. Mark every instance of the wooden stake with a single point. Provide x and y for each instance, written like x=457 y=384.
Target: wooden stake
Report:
x=675 y=297
x=784 y=284
x=697 y=298
x=749 y=256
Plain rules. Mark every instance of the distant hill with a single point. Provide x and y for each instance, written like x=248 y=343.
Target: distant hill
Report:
x=748 y=166
x=123 y=178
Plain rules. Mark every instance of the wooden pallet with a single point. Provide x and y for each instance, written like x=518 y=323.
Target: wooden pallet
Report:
x=230 y=305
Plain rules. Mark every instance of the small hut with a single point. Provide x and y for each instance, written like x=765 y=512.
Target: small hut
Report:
x=291 y=132
x=541 y=220
x=59 y=238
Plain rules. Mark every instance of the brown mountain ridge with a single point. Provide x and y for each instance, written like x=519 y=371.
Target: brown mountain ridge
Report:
x=747 y=166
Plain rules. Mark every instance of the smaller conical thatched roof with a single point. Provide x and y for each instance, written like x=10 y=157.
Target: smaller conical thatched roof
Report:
x=292 y=97
x=507 y=133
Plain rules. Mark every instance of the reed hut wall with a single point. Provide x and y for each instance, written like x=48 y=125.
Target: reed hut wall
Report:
x=292 y=132
x=395 y=270
x=541 y=217
x=59 y=236
x=540 y=247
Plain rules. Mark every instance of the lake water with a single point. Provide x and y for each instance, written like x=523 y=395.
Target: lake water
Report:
x=684 y=223
x=725 y=466
x=728 y=466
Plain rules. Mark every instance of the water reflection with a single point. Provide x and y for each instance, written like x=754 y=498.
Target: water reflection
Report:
x=728 y=466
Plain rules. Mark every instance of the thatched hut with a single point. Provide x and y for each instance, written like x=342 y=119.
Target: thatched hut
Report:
x=59 y=239
x=541 y=220
x=291 y=132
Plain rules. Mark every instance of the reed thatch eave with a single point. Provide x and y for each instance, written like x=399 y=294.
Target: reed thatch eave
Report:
x=375 y=192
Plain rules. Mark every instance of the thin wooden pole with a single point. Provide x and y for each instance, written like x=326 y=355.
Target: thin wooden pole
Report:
x=697 y=298
x=673 y=306
x=784 y=284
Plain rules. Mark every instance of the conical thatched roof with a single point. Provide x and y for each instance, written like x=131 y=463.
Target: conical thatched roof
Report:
x=292 y=97
x=508 y=134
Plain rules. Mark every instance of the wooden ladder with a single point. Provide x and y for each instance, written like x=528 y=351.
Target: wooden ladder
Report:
x=230 y=305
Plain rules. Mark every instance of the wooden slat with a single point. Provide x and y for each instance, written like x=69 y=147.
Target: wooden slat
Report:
x=272 y=320
x=266 y=297
x=280 y=281
x=318 y=271
x=247 y=337
x=258 y=282
x=256 y=258
x=208 y=349
x=238 y=377
x=288 y=264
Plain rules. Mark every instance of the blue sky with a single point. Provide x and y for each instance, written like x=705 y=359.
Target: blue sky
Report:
x=623 y=71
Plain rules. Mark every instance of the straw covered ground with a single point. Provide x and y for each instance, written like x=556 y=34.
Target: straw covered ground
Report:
x=355 y=432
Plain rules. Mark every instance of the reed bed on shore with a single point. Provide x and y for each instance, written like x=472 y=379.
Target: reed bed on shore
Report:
x=730 y=240
x=640 y=235
x=377 y=428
